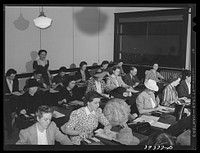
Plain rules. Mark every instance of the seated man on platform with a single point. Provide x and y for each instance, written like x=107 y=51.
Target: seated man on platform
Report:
x=184 y=88
x=131 y=78
x=37 y=77
x=44 y=131
x=153 y=74
x=60 y=79
x=85 y=120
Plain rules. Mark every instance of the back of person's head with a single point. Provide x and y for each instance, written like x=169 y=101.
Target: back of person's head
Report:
x=63 y=69
x=104 y=62
x=115 y=67
x=69 y=79
x=42 y=50
x=82 y=63
x=174 y=77
x=89 y=97
x=43 y=109
x=162 y=139
x=186 y=73
x=11 y=71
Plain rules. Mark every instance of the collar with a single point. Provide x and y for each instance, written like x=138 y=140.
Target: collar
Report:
x=8 y=80
x=88 y=111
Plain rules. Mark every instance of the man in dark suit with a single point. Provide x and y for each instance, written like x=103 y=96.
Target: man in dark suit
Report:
x=11 y=82
x=131 y=78
x=184 y=88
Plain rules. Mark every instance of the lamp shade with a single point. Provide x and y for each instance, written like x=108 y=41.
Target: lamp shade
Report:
x=42 y=21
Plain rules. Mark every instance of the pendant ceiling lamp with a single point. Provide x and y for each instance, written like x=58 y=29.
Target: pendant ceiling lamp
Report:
x=42 y=21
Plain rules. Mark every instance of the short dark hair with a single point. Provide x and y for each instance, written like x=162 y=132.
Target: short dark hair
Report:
x=69 y=79
x=42 y=50
x=11 y=71
x=132 y=68
x=90 y=96
x=174 y=77
x=82 y=63
x=115 y=67
x=63 y=69
x=186 y=73
x=43 y=109
x=104 y=63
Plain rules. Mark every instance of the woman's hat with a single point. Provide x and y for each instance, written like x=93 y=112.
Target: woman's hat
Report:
x=119 y=92
x=151 y=84
x=32 y=83
x=125 y=136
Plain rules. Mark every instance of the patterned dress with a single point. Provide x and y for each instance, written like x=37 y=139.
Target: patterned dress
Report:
x=85 y=121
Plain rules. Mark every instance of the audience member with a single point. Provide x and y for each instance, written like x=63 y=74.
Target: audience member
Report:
x=153 y=74
x=146 y=101
x=115 y=80
x=82 y=75
x=104 y=68
x=162 y=139
x=43 y=64
x=70 y=93
x=59 y=80
x=85 y=120
x=120 y=64
x=117 y=111
x=11 y=82
x=184 y=88
x=44 y=131
x=96 y=83
x=38 y=78
x=170 y=95
x=131 y=78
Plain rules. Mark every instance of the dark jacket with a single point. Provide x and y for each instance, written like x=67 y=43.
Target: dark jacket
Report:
x=15 y=86
x=79 y=76
x=182 y=90
x=127 y=79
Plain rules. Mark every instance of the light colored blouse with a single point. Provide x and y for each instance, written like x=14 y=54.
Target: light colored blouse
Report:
x=115 y=81
x=146 y=101
x=85 y=121
x=151 y=75
x=169 y=94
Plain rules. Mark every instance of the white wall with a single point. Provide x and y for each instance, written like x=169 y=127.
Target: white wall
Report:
x=77 y=33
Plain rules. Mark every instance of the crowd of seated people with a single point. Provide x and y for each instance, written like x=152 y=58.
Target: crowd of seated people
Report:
x=123 y=102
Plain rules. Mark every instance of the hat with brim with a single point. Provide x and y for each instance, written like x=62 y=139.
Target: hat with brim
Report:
x=125 y=136
x=151 y=84
x=100 y=74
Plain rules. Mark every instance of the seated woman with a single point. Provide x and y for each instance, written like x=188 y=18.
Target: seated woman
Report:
x=153 y=74
x=146 y=101
x=104 y=68
x=70 y=93
x=184 y=88
x=117 y=111
x=119 y=64
x=115 y=80
x=85 y=120
x=37 y=77
x=82 y=75
x=170 y=95
x=30 y=100
x=44 y=131
x=59 y=80
x=96 y=83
